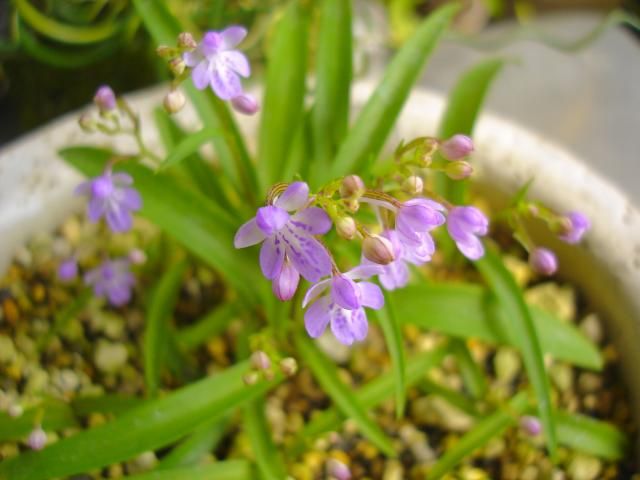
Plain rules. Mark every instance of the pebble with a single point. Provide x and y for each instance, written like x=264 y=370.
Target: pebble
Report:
x=393 y=470
x=583 y=467
x=7 y=350
x=507 y=364
x=434 y=410
x=555 y=299
x=562 y=376
x=589 y=382
x=591 y=326
x=110 y=357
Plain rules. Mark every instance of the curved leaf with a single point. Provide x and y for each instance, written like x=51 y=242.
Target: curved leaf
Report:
x=270 y=464
x=192 y=450
x=227 y=470
x=188 y=146
x=212 y=324
x=591 y=436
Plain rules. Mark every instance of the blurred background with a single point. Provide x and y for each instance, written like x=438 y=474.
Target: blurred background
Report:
x=574 y=77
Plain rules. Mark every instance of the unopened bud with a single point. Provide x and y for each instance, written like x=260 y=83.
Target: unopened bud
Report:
x=352 y=205
x=338 y=470
x=458 y=170
x=531 y=425
x=352 y=187
x=177 y=66
x=87 y=123
x=260 y=360
x=245 y=104
x=37 y=439
x=346 y=228
x=105 y=99
x=251 y=378
x=186 y=40
x=165 y=51
x=378 y=249
x=68 y=270
x=457 y=147
x=413 y=185
x=543 y=261
x=289 y=366
x=15 y=410
x=137 y=256
x=174 y=101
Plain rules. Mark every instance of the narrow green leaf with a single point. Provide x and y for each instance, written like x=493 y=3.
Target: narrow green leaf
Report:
x=453 y=397
x=270 y=464
x=518 y=320
x=53 y=415
x=330 y=113
x=227 y=470
x=393 y=337
x=461 y=310
x=162 y=302
x=371 y=128
x=472 y=375
x=112 y=404
x=463 y=105
x=153 y=425
x=489 y=428
x=64 y=316
x=188 y=146
x=284 y=91
x=327 y=376
x=212 y=324
x=193 y=449
x=198 y=224
x=591 y=436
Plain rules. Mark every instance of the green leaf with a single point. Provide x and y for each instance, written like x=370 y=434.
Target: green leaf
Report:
x=211 y=325
x=188 y=146
x=162 y=302
x=375 y=121
x=463 y=105
x=283 y=104
x=330 y=113
x=270 y=464
x=327 y=376
x=461 y=310
x=154 y=424
x=227 y=470
x=198 y=224
x=456 y=399
x=487 y=429
x=517 y=319
x=193 y=449
x=52 y=414
x=64 y=316
x=591 y=436
x=472 y=375
x=393 y=337
x=111 y=404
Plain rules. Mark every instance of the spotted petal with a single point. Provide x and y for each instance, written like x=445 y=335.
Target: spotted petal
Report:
x=271 y=257
x=225 y=83
x=313 y=219
x=308 y=255
x=345 y=292
x=317 y=316
x=235 y=61
x=349 y=326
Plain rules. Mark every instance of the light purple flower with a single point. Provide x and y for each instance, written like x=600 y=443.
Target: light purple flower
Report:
x=245 y=104
x=579 y=226
x=68 y=270
x=543 y=261
x=464 y=225
x=343 y=306
x=215 y=63
x=105 y=99
x=285 y=283
x=415 y=218
x=289 y=236
x=112 y=280
x=531 y=425
x=111 y=195
x=37 y=439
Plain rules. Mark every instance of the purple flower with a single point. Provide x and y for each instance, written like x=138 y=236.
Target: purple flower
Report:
x=37 y=439
x=543 y=261
x=417 y=217
x=531 y=425
x=112 y=280
x=343 y=306
x=579 y=224
x=457 y=147
x=105 y=99
x=464 y=225
x=291 y=237
x=68 y=270
x=111 y=195
x=285 y=283
x=217 y=64
x=245 y=104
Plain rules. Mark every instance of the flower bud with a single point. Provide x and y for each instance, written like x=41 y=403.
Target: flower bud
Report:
x=576 y=224
x=245 y=104
x=177 y=66
x=15 y=410
x=137 y=256
x=346 y=228
x=378 y=249
x=352 y=187
x=251 y=378
x=285 y=284
x=289 y=366
x=457 y=147
x=543 y=261
x=338 y=470
x=352 y=205
x=87 y=123
x=174 y=101
x=260 y=360
x=186 y=40
x=165 y=51
x=531 y=425
x=413 y=185
x=458 y=170
x=105 y=99
x=68 y=270
x=37 y=439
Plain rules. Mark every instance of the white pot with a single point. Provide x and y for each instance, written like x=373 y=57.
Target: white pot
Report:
x=35 y=195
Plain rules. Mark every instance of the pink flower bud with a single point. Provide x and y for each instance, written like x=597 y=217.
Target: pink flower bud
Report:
x=174 y=101
x=177 y=66
x=245 y=104
x=289 y=366
x=87 y=123
x=285 y=284
x=458 y=170
x=577 y=224
x=37 y=439
x=531 y=425
x=137 y=256
x=338 y=470
x=260 y=360
x=251 y=378
x=186 y=40
x=105 y=99
x=378 y=249
x=413 y=185
x=457 y=147
x=346 y=228
x=352 y=187
x=165 y=51
x=68 y=270
x=543 y=261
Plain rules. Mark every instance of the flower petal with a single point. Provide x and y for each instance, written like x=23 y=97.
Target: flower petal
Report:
x=232 y=36
x=225 y=83
x=345 y=292
x=119 y=219
x=271 y=219
x=83 y=188
x=193 y=58
x=315 y=291
x=131 y=199
x=349 y=325
x=119 y=295
x=365 y=270
x=308 y=255
x=286 y=282
x=471 y=247
x=313 y=220
x=317 y=316
x=248 y=234
x=122 y=179
x=294 y=197
x=396 y=275
x=271 y=257
x=371 y=295
x=95 y=209
x=200 y=75
x=359 y=324
x=235 y=61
